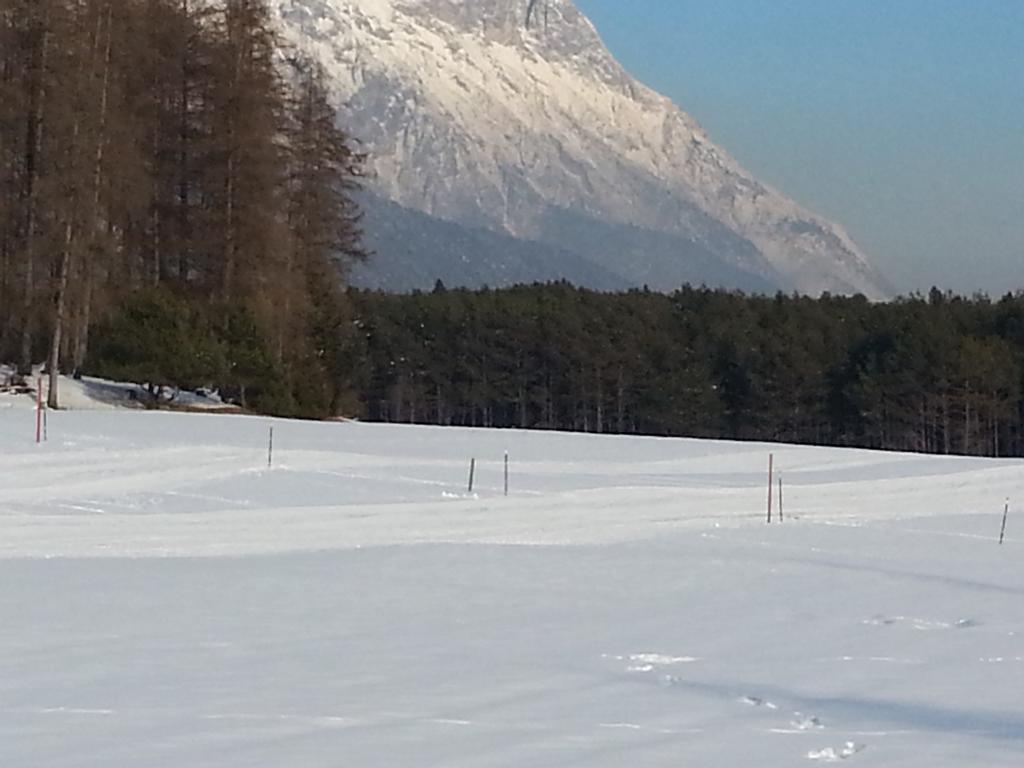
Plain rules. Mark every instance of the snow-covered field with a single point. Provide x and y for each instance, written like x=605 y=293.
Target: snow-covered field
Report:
x=168 y=600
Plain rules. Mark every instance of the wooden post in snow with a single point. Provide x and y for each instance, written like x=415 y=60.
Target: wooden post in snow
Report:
x=39 y=410
x=771 y=466
x=270 y=449
x=1002 y=531
x=472 y=474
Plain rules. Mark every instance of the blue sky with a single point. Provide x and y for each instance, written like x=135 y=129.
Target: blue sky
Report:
x=901 y=119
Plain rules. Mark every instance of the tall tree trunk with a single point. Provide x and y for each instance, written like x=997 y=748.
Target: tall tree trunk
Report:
x=155 y=219
x=945 y=424
x=230 y=233
x=967 y=419
x=184 y=257
x=99 y=228
x=35 y=125
x=53 y=365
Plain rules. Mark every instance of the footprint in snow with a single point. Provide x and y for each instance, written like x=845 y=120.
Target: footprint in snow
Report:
x=649 y=662
x=804 y=723
x=800 y=724
x=757 y=701
x=924 y=625
x=833 y=755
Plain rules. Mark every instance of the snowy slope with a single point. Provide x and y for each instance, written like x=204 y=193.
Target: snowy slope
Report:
x=172 y=601
x=94 y=394
x=472 y=116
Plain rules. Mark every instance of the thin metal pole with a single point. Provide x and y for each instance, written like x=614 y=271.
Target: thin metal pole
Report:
x=270 y=449
x=1006 y=513
x=506 y=473
x=771 y=464
x=472 y=474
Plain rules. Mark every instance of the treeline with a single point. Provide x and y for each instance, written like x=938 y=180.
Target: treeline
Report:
x=172 y=149
x=939 y=374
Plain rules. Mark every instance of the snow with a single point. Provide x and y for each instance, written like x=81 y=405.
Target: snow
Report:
x=92 y=393
x=170 y=600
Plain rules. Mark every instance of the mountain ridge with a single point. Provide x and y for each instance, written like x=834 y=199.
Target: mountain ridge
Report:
x=471 y=116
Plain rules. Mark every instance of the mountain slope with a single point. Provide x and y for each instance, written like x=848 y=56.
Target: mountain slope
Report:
x=412 y=250
x=472 y=116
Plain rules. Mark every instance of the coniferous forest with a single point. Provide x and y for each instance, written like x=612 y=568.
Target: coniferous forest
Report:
x=175 y=209
x=939 y=374
x=172 y=150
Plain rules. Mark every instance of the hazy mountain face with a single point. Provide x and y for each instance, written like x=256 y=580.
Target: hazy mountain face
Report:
x=472 y=115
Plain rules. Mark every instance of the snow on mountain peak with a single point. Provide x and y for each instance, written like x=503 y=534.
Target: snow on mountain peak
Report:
x=512 y=115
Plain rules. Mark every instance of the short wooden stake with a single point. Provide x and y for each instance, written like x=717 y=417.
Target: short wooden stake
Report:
x=270 y=449
x=472 y=474
x=781 y=518
x=771 y=466
x=1006 y=513
x=39 y=410
x=506 y=473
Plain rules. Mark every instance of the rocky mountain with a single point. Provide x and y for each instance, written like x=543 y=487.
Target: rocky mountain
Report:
x=509 y=144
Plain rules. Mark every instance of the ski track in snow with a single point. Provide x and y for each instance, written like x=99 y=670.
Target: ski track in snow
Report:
x=174 y=601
